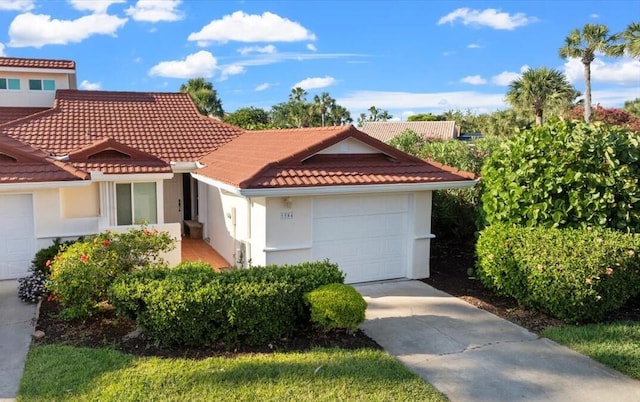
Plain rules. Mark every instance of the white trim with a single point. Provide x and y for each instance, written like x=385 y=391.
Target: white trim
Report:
x=39 y=70
x=330 y=190
x=43 y=185
x=355 y=189
x=286 y=248
x=424 y=237
x=130 y=178
x=185 y=167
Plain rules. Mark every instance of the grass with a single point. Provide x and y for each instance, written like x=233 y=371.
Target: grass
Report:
x=65 y=373
x=616 y=345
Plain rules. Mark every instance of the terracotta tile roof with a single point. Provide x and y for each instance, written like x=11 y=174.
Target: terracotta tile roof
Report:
x=290 y=158
x=386 y=131
x=37 y=63
x=165 y=125
x=8 y=114
x=20 y=163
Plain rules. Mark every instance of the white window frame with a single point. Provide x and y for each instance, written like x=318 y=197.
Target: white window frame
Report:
x=133 y=203
x=11 y=78
x=42 y=89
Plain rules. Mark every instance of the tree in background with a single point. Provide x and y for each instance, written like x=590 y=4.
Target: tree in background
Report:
x=322 y=104
x=204 y=96
x=632 y=107
x=298 y=112
x=339 y=115
x=541 y=89
x=631 y=38
x=249 y=118
x=426 y=117
x=594 y=38
x=610 y=116
x=375 y=114
x=504 y=123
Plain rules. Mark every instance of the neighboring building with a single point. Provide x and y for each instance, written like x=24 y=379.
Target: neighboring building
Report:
x=385 y=131
x=101 y=160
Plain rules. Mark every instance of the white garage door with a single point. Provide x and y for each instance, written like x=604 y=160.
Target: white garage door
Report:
x=366 y=236
x=17 y=237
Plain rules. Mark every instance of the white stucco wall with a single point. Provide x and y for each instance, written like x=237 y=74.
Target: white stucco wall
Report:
x=420 y=216
x=350 y=146
x=226 y=233
x=27 y=98
x=288 y=230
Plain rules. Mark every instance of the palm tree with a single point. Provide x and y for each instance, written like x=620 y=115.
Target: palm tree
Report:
x=339 y=115
x=322 y=104
x=541 y=89
x=204 y=96
x=594 y=38
x=631 y=38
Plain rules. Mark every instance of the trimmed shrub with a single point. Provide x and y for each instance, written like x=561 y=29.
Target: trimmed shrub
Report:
x=336 y=306
x=565 y=174
x=574 y=274
x=193 y=305
x=82 y=272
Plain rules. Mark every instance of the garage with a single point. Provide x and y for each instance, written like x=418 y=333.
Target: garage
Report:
x=365 y=235
x=17 y=237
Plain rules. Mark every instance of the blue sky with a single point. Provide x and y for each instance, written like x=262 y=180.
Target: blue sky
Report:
x=403 y=56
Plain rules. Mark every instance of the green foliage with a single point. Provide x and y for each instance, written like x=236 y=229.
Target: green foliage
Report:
x=82 y=272
x=565 y=174
x=425 y=117
x=632 y=107
x=336 y=306
x=249 y=118
x=408 y=142
x=574 y=274
x=375 y=114
x=193 y=305
x=298 y=112
x=42 y=260
x=204 y=96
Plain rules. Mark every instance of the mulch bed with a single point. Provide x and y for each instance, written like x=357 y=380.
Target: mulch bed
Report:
x=449 y=273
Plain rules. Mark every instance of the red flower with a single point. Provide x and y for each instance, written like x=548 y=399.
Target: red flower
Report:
x=106 y=243
x=147 y=232
x=46 y=264
x=84 y=258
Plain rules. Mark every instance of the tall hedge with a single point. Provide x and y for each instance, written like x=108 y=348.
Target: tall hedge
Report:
x=565 y=174
x=574 y=274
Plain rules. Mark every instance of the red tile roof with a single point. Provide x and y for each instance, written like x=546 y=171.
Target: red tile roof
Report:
x=385 y=131
x=8 y=114
x=37 y=63
x=289 y=158
x=165 y=125
x=20 y=163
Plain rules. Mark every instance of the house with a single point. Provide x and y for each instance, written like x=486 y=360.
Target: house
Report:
x=98 y=160
x=385 y=131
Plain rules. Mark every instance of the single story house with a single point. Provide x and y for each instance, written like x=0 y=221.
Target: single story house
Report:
x=100 y=160
x=385 y=131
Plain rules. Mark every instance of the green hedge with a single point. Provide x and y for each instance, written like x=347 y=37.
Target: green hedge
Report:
x=336 y=306
x=574 y=274
x=192 y=305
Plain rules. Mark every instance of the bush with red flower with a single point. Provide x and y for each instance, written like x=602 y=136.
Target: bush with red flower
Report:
x=82 y=272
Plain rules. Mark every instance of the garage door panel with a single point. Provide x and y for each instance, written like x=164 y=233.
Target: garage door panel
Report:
x=17 y=236
x=365 y=235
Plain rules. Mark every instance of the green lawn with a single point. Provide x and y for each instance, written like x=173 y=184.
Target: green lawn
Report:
x=616 y=345
x=65 y=373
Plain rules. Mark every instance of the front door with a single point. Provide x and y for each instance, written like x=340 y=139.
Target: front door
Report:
x=173 y=199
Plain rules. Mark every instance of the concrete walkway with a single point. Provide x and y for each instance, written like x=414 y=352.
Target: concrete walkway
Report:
x=16 y=326
x=472 y=355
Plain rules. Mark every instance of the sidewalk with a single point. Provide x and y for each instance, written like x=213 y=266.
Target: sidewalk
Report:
x=16 y=325
x=472 y=355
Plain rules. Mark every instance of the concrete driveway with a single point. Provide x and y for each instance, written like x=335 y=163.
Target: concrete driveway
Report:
x=472 y=355
x=16 y=326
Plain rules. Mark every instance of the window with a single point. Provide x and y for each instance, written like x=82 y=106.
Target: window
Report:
x=42 y=85
x=136 y=203
x=10 y=83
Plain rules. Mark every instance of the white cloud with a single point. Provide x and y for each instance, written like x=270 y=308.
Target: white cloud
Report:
x=594 y=16
x=442 y=101
x=231 y=69
x=257 y=49
x=200 y=64
x=315 y=83
x=95 y=6
x=312 y=47
x=506 y=77
x=448 y=53
x=2 y=50
x=16 y=5
x=262 y=87
x=137 y=60
x=155 y=10
x=242 y=27
x=90 y=86
x=474 y=46
x=620 y=71
x=615 y=97
x=473 y=80
x=38 y=30
x=489 y=17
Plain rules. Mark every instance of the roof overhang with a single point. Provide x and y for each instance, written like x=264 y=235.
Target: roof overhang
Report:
x=48 y=185
x=97 y=176
x=334 y=190
x=38 y=70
